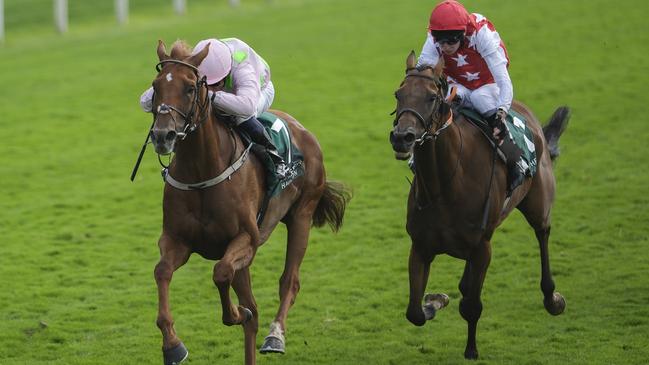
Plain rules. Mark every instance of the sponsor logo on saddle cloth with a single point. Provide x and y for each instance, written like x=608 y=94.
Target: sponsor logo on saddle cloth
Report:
x=281 y=136
x=523 y=138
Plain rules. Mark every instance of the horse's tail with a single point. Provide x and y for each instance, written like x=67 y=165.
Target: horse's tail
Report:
x=552 y=131
x=331 y=207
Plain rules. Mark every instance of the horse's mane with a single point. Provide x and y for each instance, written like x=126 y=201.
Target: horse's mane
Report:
x=180 y=50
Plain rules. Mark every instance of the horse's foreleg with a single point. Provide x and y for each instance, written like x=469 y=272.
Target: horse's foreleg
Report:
x=241 y=285
x=289 y=283
x=553 y=301
x=464 y=282
x=418 y=270
x=237 y=256
x=172 y=256
x=471 y=287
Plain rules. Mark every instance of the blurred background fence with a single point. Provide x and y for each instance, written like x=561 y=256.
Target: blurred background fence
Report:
x=44 y=13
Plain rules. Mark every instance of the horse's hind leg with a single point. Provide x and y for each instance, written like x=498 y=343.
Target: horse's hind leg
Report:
x=554 y=302
x=241 y=285
x=238 y=255
x=172 y=256
x=298 y=227
x=471 y=288
x=536 y=208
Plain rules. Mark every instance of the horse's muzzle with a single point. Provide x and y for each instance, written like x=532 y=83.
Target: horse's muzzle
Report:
x=163 y=140
x=402 y=143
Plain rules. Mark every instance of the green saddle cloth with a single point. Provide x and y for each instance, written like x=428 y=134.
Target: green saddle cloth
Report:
x=281 y=136
x=518 y=132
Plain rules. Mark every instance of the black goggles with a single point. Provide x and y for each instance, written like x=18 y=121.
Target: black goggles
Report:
x=449 y=41
x=449 y=38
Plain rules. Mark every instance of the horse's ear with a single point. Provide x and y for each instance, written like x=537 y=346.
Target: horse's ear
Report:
x=439 y=68
x=162 y=52
x=198 y=58
x=411 y=61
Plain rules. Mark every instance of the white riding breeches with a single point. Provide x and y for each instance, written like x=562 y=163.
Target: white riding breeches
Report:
x=483 y=99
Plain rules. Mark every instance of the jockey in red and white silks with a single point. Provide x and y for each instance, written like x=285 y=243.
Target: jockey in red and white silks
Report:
x=475 y=58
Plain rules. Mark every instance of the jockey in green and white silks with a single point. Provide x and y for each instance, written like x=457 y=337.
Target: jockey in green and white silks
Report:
x=245 y=89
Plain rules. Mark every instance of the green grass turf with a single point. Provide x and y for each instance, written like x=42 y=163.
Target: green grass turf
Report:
x=79 y=239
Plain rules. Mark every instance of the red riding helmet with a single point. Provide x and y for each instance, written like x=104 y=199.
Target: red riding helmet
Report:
x=449 y=15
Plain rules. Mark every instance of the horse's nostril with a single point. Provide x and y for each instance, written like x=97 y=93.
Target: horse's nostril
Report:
x=171 y=135
x=409 y=138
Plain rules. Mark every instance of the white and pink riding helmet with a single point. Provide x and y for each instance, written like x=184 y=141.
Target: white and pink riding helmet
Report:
x=218 y=62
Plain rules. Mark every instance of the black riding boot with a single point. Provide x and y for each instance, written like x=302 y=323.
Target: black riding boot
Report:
x=515 y=170
x=258 y=134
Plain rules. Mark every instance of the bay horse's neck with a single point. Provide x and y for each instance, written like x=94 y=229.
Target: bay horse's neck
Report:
x=437 y=164
x=205 y=153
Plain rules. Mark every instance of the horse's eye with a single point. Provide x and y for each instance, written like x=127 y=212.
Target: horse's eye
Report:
x=190 y=90
x=396 y=95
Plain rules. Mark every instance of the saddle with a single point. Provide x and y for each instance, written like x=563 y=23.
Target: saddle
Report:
x=280 y=135
x=517 y=131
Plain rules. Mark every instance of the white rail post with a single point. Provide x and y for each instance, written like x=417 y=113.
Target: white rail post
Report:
x=121 y=11
x=2 y=21
x=61 y=15
x=234 y=2
x=180 y=6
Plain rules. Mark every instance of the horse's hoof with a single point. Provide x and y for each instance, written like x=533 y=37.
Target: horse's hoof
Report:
x=416 y=315
x=556 y=305
x=471 y=354
x=272 y=344
x=433 y=303
x=175 y=355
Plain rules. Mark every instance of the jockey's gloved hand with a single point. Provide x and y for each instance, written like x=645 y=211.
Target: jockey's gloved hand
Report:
x=498 y=126
x=501 y=114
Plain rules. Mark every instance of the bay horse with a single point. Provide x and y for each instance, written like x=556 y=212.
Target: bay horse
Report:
x=457 y=198
x=219 y=222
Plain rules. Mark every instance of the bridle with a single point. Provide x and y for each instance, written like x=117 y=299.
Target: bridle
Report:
x=435 y=114
x=428 y=123
x=201 y=110
x=190 y=125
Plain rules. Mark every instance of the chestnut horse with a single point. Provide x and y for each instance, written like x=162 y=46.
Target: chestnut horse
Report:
x=219 y=222
x=458 y=197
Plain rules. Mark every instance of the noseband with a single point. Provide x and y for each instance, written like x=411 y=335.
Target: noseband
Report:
x=190 y=125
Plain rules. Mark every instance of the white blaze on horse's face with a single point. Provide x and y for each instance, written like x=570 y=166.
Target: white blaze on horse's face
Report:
x=169 y=77
x=163 y=134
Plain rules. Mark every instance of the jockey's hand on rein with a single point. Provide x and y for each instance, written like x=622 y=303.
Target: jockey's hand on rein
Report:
x=499 y=125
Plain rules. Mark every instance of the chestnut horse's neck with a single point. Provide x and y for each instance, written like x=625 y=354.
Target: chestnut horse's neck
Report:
x=437 y=165
x=206 y=152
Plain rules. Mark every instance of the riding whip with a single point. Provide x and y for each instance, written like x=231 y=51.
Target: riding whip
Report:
x=139 y=158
